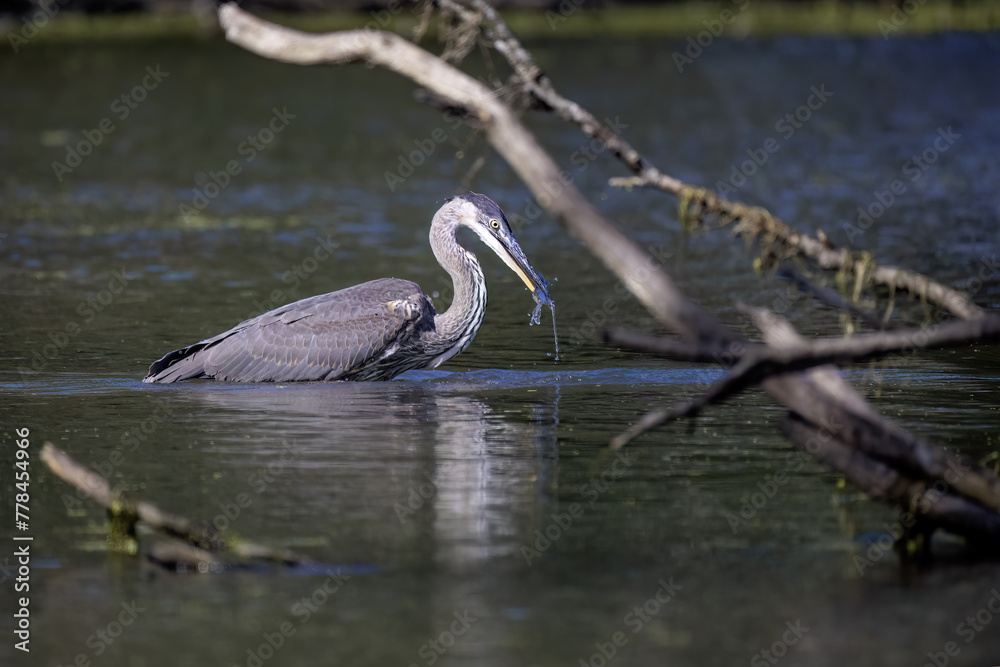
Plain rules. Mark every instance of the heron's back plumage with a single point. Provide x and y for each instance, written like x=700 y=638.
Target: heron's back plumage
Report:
x=370 y=331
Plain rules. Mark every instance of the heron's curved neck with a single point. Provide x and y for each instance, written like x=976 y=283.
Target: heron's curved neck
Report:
x=456 y=327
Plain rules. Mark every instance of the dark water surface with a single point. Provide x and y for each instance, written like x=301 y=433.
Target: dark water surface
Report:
x=429 y=498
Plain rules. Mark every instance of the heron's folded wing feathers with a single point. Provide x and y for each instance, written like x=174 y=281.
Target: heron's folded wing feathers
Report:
x=325 y=337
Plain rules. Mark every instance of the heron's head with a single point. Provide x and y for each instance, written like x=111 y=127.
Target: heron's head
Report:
x=482 y=215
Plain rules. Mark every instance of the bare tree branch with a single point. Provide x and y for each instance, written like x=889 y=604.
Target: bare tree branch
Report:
x=698 y=203
x=763 y=361
x=537 y=84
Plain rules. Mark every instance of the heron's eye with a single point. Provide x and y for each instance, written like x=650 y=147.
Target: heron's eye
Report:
x=495 y=224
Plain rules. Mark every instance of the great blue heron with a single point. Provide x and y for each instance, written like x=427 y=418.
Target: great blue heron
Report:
x=372 y=331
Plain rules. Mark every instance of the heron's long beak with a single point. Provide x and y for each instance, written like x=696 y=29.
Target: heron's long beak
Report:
x=510 y=252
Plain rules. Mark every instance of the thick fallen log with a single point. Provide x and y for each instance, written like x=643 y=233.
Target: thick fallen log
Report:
x=885 y=461
x=924 y=505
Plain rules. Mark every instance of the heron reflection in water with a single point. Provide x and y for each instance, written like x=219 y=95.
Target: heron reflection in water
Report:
x=372 y=331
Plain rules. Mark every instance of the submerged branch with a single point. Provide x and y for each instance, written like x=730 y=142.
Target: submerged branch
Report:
x=200 y=539
x=198 y=533
x=833 y=298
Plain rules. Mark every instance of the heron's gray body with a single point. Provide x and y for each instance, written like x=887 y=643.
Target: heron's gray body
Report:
x=356 y=333
x=372 y=331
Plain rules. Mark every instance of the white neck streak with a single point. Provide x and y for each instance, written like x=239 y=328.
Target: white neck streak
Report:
x=456 y=327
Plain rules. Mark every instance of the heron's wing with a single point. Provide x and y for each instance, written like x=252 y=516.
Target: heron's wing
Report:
x=326 y=337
